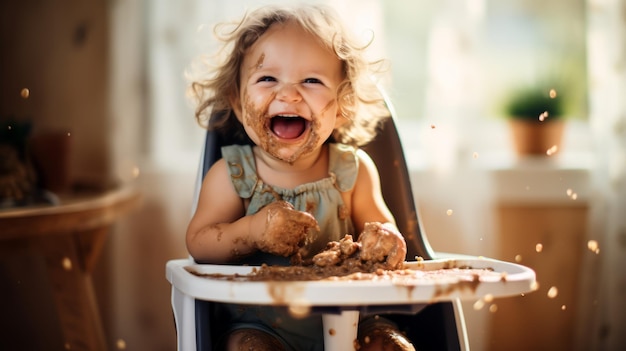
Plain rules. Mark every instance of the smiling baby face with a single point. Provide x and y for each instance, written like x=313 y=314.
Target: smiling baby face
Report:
x=288 y=100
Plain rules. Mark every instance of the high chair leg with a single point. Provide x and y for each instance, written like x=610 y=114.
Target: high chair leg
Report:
x=340 y=330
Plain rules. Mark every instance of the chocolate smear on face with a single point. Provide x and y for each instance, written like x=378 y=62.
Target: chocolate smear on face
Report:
x=259 y=63
x=258 y=120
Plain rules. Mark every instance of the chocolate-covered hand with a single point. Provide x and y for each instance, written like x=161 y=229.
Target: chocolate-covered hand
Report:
x=284 y=229
x=382 y=243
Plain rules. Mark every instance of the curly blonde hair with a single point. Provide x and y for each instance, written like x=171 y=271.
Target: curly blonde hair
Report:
x=359 y=99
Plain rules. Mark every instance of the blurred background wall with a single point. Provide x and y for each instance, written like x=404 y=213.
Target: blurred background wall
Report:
x=112 y=74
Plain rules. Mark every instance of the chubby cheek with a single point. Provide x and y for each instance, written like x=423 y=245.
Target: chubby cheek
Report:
x=254 y=115
x=328 y=119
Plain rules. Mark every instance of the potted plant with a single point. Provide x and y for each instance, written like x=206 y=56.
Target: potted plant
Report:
x=536 y=118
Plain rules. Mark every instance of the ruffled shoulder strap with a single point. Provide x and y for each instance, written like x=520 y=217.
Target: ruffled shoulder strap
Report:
x=241 y=168
x=343 y=165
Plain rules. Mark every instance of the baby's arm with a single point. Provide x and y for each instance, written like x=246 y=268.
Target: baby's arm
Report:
x=220 y=231
x=368 y=206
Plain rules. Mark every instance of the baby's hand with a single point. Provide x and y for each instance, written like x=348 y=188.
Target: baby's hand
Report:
x=285 y=230
x=382 y=241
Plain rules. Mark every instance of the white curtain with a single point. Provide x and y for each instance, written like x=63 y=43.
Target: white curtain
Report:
x=602 y=319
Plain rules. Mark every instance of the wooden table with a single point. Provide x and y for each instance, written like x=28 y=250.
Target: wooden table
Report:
x=47 y=256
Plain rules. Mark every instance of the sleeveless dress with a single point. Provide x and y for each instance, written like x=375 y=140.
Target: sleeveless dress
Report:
x=323 y=200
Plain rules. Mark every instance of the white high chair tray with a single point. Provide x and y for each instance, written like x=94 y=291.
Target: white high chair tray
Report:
x=434 y=280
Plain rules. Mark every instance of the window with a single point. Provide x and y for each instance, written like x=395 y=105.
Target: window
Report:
x=462 y=56
x=451 y=61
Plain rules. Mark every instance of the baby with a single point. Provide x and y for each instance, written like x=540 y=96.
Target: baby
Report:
x=295 y=88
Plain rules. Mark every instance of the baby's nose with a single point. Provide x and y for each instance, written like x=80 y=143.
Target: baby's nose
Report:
x=288 y=92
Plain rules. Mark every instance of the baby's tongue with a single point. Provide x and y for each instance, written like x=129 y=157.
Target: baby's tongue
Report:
x=288 y=127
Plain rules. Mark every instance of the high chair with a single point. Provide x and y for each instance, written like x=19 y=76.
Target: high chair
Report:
x=436 y=325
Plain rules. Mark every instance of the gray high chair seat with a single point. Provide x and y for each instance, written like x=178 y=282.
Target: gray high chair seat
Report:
x=436 y=326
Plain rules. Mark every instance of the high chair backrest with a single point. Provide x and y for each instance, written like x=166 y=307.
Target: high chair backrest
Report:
x=387 y=152
x=438 y=326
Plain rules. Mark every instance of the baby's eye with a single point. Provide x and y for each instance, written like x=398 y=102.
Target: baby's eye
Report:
x=312 y=81
x=266 y=79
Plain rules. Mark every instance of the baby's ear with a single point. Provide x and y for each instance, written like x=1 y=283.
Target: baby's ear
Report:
x=341 y=119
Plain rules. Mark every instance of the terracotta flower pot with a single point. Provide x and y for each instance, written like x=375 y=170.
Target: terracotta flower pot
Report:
x=535 y=137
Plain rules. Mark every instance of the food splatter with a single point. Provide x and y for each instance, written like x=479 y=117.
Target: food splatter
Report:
x=552 y=150
x=299 y=309
x=552 y=93
x=553 y=292
x=67 y=264
x=571 y=194
x=593 y=246
x=135 y=172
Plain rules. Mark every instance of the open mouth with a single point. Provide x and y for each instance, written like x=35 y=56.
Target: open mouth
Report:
x=288 y=127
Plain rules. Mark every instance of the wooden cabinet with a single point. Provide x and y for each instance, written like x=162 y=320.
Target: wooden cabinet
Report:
x=550 y=238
